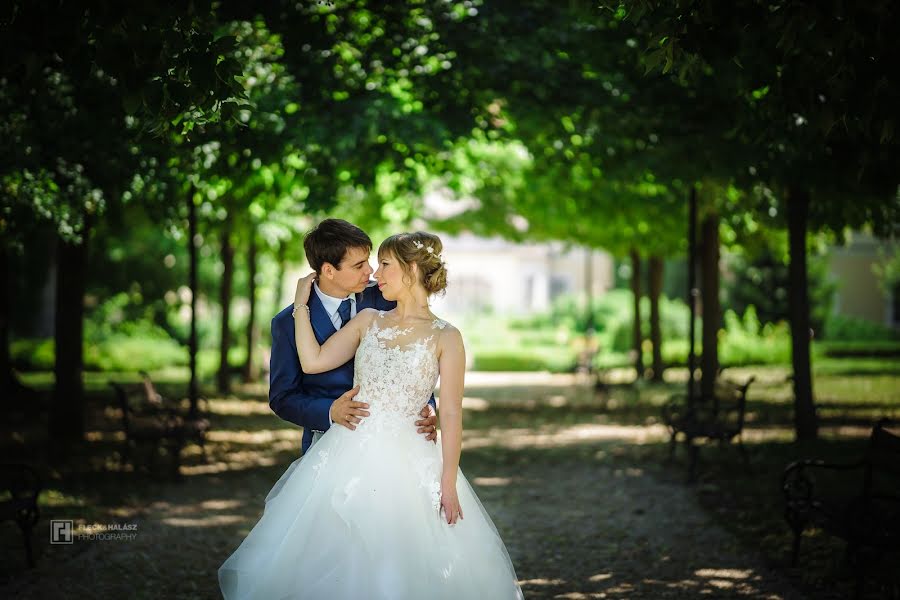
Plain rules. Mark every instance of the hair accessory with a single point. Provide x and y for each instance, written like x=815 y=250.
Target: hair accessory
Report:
x=429 y=249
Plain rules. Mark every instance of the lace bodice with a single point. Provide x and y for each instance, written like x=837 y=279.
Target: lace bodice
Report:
x=396 y=369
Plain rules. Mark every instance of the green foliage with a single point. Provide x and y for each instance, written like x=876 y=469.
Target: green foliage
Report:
x=865 y=349
x=887 y=269
x=496 y=343
x=555 y=360
x=124 y=354
x=743 y=340
x=746 y=341
x=839 y=328
x=112 y=342
x=757 y=63
x=762 y=281
x=33 y=354
x=613 y=312
x=131 y=353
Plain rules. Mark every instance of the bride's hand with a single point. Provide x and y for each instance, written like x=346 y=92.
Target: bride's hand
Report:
x=304 y=287
x=452 y=511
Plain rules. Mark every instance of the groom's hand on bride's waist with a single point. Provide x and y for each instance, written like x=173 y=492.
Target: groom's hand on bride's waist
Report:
x=428 y=423
x=348 y=412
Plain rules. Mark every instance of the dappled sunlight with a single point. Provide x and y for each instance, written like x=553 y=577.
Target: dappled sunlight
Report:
x=229 y=504
x=541 y=582
x=710 y=581
x=237 y=461
x=232 y=406
x=572 y=475
x=205 y=513
x=563 y=436
x=193 y=508
x=478 y=404
x=557 y=401
x=492 y=481
x=258 y=389
x=724 y=573
x=621 y=588
x=104 y=436
x=204 y=521
x=265 y=436
x=489 y=379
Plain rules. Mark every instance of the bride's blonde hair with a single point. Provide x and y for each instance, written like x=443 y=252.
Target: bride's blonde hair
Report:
x=423 y=249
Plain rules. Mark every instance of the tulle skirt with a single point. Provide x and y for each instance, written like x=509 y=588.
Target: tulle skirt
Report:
x=358 y=517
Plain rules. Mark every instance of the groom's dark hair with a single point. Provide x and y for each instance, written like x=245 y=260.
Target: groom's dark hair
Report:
x=328 y=242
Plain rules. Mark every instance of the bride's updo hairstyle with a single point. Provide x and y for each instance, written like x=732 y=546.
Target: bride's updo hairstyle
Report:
x=423 y=249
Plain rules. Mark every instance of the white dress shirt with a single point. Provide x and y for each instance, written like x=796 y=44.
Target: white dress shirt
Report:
x=332 y=305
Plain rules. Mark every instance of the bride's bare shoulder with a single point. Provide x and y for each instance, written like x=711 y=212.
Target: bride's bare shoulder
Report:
x=448 y=333
x=367 y=315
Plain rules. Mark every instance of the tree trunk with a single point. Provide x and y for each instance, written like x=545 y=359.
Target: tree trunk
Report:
x=281 y=271
x=655 y=290
x=805 y=421
x=223 y=380
x=709 y=275
x=250 y=370
x=6 y=372
x=67 y=411
x=193 y=392
x=637 y=336
x=692 y=297
x=589 y=325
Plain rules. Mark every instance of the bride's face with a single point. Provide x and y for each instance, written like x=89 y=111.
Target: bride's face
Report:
x=392 y=280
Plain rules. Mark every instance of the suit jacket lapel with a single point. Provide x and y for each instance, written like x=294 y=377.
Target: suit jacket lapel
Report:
x=319 y=318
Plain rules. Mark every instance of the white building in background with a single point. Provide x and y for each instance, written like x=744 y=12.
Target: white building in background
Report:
x=493 y=275
x=497 y=276
x=859 y=292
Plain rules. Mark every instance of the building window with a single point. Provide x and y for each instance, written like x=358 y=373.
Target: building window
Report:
x=470 y=294
x=559 y=285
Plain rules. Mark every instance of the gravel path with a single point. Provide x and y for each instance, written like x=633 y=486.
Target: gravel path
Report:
x=578 y=529
x=575 y=528
x=580 y=519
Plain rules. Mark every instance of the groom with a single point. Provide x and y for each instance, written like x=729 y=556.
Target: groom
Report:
x=338 y=252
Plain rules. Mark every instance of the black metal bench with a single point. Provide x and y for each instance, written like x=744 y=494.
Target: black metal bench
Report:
x=859 y=502
x=720 y=418
x=154 y=424
x=20 y=486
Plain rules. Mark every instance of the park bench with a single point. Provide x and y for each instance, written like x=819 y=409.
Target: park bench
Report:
x=720 y=419
x=154 y=423
x=20 y=486
x=858 y=502
x=195 y=429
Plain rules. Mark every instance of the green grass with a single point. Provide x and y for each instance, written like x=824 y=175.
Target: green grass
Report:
x=497 y=344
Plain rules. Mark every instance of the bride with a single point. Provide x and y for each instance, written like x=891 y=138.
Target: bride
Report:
x=380 y=512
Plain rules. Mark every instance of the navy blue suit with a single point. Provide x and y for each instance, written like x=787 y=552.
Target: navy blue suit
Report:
x=305 y=399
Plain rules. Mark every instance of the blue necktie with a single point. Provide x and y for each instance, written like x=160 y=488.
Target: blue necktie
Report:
x=344 y=311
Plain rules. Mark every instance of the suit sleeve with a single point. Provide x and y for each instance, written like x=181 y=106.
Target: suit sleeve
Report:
x=287 y=396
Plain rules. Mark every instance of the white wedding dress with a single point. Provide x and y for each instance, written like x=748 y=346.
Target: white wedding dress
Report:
x=358 y=516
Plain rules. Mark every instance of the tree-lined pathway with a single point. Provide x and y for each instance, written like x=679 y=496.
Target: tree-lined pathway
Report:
x=580 y=514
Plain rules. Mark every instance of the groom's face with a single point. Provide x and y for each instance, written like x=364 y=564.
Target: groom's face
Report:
x=353 y=274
